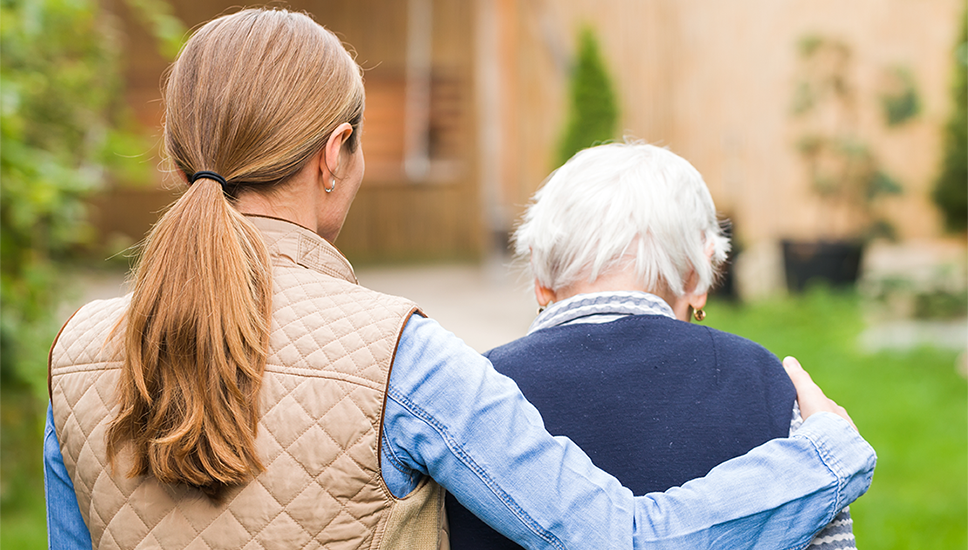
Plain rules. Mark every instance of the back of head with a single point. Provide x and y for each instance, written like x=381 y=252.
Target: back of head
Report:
x=251 y=97
x=623 y=206
x=254 y=94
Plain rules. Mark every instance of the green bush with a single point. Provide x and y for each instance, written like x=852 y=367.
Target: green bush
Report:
x=951 y=189
x=59 y=83
x=593 y=112
x=65 y=133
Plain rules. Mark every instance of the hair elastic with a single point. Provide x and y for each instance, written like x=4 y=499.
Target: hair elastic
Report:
x=209 y=175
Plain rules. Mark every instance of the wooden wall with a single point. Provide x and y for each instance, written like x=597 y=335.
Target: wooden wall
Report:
x=713 y=81
x=394 y=217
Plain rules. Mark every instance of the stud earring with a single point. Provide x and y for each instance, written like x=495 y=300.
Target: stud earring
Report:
x=699 y=314
x=330 y=189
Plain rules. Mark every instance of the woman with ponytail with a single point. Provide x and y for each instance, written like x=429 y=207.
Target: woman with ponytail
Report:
x=250 y=394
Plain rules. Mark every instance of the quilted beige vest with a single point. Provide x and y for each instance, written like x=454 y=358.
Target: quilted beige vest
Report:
x=331 y=349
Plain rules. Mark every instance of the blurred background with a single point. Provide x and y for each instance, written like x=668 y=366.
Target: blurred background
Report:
x=831 y=134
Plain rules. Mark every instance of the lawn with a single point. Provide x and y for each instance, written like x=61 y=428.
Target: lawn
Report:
x=23 y=524
x=911 y=406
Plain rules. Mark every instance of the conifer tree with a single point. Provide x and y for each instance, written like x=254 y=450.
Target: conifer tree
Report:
x=593 y=112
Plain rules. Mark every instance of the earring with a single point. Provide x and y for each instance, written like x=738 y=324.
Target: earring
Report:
x=330 y=189
x=699 y=314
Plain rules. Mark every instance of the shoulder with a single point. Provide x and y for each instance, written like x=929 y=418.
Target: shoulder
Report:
x=295 y=284
x=322 y=322
x=93 y=321
x=83 y=337
x=659 y=334
x=731 y=348
x=542 y=341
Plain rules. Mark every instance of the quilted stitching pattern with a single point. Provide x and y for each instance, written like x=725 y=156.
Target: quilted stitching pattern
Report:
x=331 y=345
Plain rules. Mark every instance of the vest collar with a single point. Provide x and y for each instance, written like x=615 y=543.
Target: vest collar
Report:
x=303 y=247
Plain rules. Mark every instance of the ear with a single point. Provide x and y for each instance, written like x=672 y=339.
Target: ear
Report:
x=695 y=301
x=543 y=294
x=698 y=301
x=329 y=162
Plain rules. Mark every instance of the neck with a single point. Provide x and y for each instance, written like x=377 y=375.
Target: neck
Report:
x=626 y=281
x=294 y=201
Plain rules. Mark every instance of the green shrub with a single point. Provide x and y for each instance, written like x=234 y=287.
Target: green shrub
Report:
x=60 y=85
x=593 y=112
x=64 y=134
x=951 y=188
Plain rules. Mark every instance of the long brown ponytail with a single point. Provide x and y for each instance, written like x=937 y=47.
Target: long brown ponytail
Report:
x=251 y=97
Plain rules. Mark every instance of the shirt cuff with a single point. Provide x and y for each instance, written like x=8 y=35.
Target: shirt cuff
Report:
x=846 y=454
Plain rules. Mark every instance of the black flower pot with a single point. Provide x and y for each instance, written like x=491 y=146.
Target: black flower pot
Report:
x=835 y=262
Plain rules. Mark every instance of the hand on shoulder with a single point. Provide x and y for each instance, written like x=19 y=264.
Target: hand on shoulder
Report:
x=809 y=395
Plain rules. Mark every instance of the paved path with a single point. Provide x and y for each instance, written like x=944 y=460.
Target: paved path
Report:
x=907 y=333
x=491 y=304
x=486 y=305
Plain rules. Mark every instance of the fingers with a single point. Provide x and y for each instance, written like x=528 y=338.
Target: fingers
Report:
x=809 y=395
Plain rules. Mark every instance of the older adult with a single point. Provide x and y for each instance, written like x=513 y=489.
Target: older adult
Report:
x=624 y=245
x=250 y=394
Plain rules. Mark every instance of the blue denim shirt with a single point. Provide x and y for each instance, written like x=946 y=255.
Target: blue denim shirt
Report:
x=451 y=416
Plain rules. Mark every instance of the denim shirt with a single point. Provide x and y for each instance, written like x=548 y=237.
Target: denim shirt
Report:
x=451 y=416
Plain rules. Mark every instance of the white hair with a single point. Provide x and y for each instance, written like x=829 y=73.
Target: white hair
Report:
x=622 y=203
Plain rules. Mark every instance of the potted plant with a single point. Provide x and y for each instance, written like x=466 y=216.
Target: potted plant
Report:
x=844 y=173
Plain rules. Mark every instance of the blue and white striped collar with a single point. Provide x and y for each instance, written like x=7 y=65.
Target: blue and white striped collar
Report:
x=600 y=307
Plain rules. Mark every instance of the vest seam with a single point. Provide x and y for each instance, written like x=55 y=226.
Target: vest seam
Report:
x=380 y=532
x=50 y=355
x=383 y=408
x=86 y=367
x=318 y=373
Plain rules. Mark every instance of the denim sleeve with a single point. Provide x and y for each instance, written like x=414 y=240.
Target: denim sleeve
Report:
x=66 y=529
x=451 y=416
x=839 y=533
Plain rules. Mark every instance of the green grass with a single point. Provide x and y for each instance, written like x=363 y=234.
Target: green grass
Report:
x=23 y=523
x=25 y=527
x=911 y=406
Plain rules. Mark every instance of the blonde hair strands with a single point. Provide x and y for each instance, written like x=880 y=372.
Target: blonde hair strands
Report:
x=252 y=97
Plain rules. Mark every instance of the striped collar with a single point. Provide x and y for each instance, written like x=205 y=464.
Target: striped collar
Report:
x=600 y=307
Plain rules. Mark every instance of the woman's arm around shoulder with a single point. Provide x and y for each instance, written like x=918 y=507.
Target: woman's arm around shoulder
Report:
x=449 y=415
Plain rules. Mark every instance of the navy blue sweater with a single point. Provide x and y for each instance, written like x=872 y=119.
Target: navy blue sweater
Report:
x=654 y=401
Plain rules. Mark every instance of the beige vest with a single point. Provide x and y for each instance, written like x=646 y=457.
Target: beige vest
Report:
x=331 y=349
